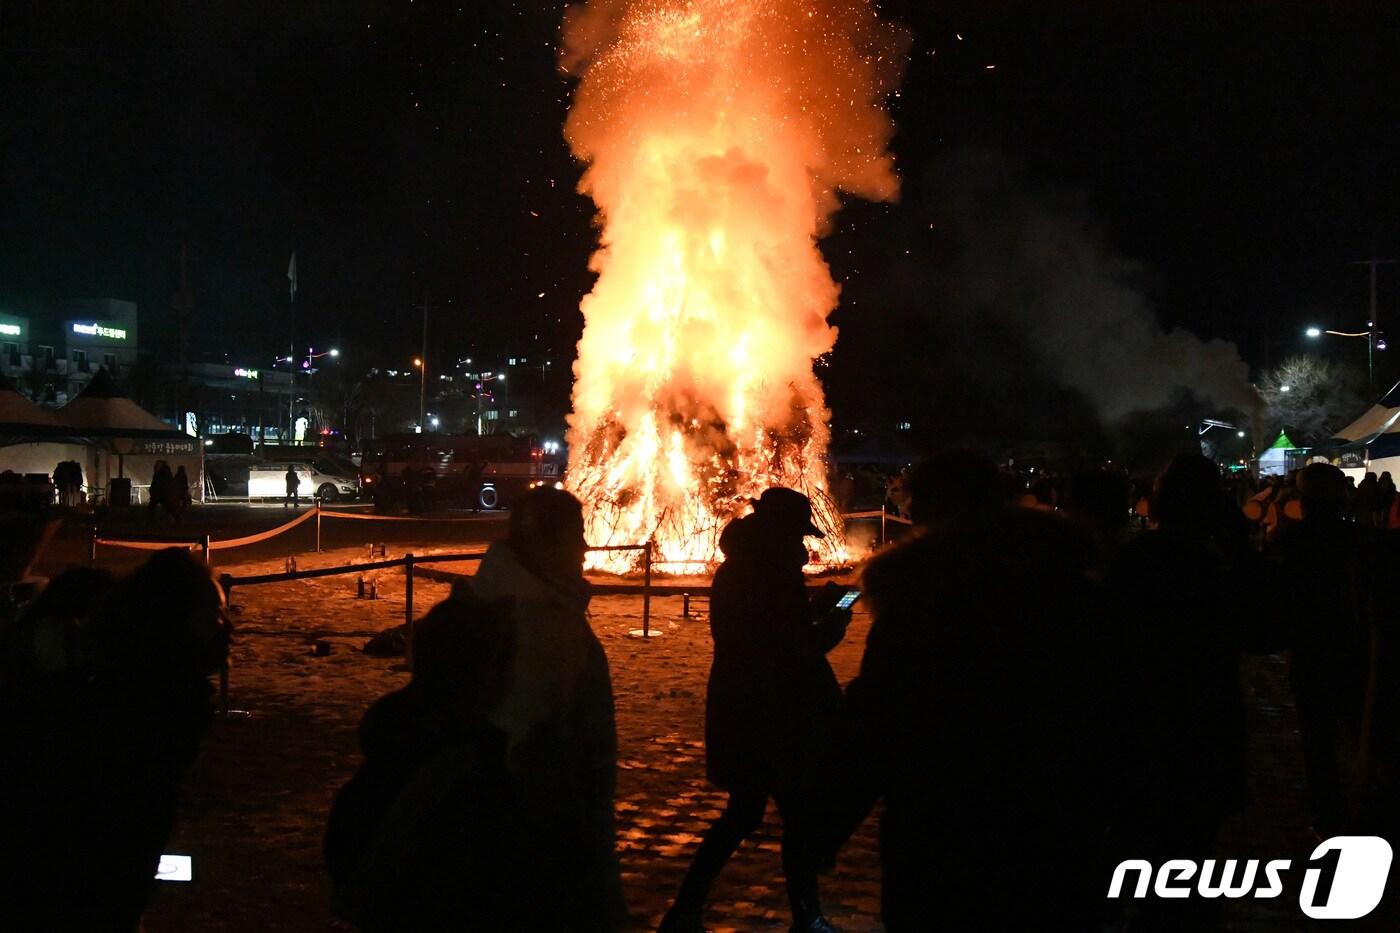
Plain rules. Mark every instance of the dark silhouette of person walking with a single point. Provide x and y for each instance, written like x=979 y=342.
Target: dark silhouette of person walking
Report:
x=558 y=713
x=775 y=712
x=979 y=706
x=161 y=479
x=179 y=493
x=293 y=487
x=1184 y=600
x=1328 y=573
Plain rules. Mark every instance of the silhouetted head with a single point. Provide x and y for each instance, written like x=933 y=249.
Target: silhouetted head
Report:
x=1323 y=490
x=953 y=486
x=785 y=513
x=546 y=532
x=165 y=622
x=1189 y=496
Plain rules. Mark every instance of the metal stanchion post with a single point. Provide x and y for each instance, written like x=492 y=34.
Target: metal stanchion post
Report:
x=204 y=546
x=646 y=592
x=408 y=606
x=92 y=546
x=883 y=513
x=318 y=524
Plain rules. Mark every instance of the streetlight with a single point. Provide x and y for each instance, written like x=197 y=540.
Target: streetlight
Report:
x=481 y=380
x=311 y=357
x=422 y=391
x=1375 y=340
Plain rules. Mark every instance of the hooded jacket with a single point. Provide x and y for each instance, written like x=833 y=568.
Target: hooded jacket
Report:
x=559 y=720
x=774 y=704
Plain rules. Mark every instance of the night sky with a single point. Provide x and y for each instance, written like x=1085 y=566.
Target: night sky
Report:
x=1238 y=155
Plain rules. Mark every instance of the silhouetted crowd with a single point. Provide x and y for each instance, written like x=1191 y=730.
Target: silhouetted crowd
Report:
x=1047 y=689
x=104 y=701
x=1371 y=503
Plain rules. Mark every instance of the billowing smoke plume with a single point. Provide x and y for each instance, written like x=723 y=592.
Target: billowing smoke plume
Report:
x=1042 y=269
x=718 y=134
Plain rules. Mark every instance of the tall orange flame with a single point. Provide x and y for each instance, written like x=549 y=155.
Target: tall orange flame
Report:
x=718 y=134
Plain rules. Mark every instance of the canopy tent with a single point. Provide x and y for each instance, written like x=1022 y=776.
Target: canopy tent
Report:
x=1371 y=443
x=33 y=440
x=19 y=417
x=137 y=440
x=101 y=410
x=1274 y=461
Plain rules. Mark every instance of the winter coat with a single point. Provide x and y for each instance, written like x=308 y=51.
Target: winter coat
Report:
x=980 y=698
x=429 y=834
x=774 y=713
x=561 y=733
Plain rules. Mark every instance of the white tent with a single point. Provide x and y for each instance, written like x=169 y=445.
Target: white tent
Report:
x=33 y=440
x=129 y=439
x=1371 y=443
x=1274 y=461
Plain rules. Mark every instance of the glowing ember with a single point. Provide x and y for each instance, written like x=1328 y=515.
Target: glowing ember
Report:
x=718 y=134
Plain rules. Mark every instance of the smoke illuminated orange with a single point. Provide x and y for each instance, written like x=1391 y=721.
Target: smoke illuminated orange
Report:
x=717 y=134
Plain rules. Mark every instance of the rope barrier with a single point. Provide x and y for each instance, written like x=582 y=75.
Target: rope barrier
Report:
x=327 y=513
x=877 y=513
x=262 y=535
x=160 y=544
x=134 y=545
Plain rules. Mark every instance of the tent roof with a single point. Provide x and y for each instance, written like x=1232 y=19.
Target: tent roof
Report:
x=1378 y=419
x=18 y=415
x=101 y=409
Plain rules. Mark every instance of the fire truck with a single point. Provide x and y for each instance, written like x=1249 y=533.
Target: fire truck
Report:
x=424 y=471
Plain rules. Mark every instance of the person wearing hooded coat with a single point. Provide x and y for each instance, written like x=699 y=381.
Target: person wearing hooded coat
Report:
x=558 y=715
x=430 y=833
x=774 y=712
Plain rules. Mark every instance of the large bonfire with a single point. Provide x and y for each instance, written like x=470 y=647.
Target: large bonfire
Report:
x=718 y=136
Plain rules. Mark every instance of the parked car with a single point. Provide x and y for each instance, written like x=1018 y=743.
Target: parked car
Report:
x=319 y=478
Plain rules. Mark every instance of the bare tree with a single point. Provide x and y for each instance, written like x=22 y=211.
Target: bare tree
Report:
x=1311 y=398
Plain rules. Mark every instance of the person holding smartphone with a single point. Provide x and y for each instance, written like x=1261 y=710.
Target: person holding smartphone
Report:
x=774 y=715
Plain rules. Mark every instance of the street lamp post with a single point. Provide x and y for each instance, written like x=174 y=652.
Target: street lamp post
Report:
x=422 y=365
x=1375 y=340
x=481 y=380
x=311 y=357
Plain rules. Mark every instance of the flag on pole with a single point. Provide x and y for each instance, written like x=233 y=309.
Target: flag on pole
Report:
x=292 y=275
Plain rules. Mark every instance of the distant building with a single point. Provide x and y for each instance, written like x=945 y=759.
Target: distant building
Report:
x=14 y=343
x=54 y=354
x=225 y=398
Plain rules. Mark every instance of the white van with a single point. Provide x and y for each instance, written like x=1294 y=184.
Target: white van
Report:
x=320 y=479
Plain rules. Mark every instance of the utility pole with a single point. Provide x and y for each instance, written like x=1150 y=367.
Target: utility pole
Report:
x=1372 y=323
x=291 y=349
x=423 y=374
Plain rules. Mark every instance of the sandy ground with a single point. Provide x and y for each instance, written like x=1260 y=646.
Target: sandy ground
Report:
x=255 y=806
